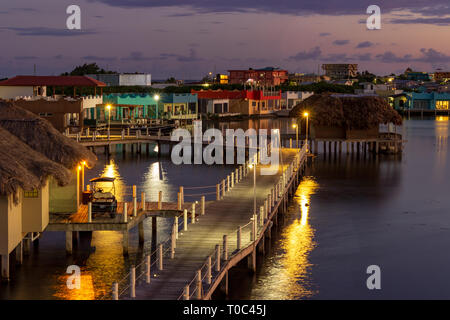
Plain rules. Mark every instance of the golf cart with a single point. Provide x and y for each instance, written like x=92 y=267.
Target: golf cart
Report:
x=103 y=199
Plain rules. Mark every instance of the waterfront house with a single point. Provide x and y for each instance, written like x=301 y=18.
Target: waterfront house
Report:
x=341 y=116
x=216 y=101
x=291 y=98
x=425 y=101
x=45 y=97
x=257 y=102
x=137 y=108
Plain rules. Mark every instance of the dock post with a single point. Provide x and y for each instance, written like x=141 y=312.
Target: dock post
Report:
x=160 y=257
x=223 y=188
x=217 y=257
x=133 y=282
x=261 y=216
x=225 y=247
x=159 y=200
x=193 y=213
x=252 y=231
x=172 y=243
x=5 y=267
x=202 y=204
x=238 y=238
x=236 y=174
x=208 y=270
x=232 y=180
x=186 y=293
x=134 y=201
x=199 y=284
x=90 y=212
x=19 y=252
x=176 y=227
x=148 y=268
x=240 y=172
x=179 y=201
x=69 y=243
x=290 y=143
x=125 y=242
x=217 y=192
x=182 y=195
x=115 y=291
x=266 y=207
x=125 y=212
x=228 y=183
x=143 y=206
x=185 y=220
x=252 y=260
x=141 y=232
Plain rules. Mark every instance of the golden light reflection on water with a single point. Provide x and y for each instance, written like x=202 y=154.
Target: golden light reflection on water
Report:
x=289 y=274
x=441 y=132
x=111 y=170
x=100 y=269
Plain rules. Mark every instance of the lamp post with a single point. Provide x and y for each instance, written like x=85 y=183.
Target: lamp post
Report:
x=156 y=97
x=109 y=119
x=296 y=134
x=307 y=116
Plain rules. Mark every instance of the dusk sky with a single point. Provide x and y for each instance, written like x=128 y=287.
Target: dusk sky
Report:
x=189 y=38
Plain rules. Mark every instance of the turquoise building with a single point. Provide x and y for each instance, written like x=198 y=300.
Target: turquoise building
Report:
x=131 y=107
x=422 y=101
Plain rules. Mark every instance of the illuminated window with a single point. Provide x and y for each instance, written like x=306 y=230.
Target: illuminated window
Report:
x=442 y=105
x=32 y=194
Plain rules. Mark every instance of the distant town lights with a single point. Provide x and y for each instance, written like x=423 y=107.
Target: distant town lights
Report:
x=156 y=97
x=294 y=126
x=306 y=114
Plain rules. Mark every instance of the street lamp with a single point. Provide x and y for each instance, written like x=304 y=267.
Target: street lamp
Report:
x=307 y=117
x=296 y=134
x=156 y=97
x=109 y=119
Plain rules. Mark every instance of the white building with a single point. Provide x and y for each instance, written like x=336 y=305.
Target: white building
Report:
x=291 y=98
x=124 y=79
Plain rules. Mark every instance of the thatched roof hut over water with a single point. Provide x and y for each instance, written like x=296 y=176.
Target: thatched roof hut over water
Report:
x=23 y=167
x=347 y=111
x=33 y=150
x=41 y=136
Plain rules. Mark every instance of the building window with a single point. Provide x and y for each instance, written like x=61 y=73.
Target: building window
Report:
x=32 y=194
x=442 y=105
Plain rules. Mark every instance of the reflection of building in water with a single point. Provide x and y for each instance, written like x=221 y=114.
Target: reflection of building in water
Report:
x=85 y=292
x=441 y=132
x=154 y=182
x=290 y=279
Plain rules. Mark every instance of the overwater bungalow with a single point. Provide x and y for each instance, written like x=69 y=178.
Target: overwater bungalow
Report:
x=341 y=117
x=42 y=172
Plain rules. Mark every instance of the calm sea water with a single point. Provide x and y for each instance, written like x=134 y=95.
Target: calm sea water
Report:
x=348 y=213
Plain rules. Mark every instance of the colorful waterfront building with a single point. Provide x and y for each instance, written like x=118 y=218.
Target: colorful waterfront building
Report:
x=134 y=107
x=422 y=101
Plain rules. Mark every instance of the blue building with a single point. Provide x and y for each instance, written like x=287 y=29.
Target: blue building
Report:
x=422 y=101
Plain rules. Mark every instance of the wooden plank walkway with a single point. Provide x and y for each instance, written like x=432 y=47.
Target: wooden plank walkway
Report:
x=222 y=217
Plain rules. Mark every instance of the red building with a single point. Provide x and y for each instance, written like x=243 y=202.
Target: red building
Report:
x=264 y=77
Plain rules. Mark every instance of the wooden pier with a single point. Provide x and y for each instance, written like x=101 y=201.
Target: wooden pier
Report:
x=196 y=258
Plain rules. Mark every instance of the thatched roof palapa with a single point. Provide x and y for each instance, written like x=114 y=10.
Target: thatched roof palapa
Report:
x=41 y=136
x=23 y=167
x=349 y=111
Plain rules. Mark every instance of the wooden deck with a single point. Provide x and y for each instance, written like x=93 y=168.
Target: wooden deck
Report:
x=78 y=221
x=222 y=217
